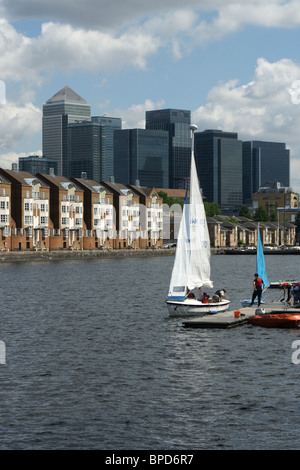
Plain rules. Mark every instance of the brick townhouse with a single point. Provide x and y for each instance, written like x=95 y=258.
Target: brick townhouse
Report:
x=66 y=212
x=99 y=216
x=151 y=216
x=5 y=215
x=126 y=206
x=29 y=211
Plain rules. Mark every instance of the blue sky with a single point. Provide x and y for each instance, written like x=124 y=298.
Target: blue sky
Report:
x=235 y=65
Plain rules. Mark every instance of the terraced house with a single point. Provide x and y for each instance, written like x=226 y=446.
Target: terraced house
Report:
x=5 y=217
x=99 y=219
x=29 y=211
x=66 y=212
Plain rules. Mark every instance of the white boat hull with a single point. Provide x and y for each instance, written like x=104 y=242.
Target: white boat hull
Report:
x=190 y=307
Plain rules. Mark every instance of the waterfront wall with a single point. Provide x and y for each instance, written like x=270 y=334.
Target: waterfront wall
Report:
x=24 y=256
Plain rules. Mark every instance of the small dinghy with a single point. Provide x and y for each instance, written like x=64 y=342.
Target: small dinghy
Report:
x=275 y=320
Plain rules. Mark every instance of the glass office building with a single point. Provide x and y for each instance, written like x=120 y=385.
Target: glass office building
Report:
x=63 y=108
x=264 y=162
x=141 y=155
x=86 y=151
x=36 y=164
x=176 y=122
x=109 y=125
x=219 y=163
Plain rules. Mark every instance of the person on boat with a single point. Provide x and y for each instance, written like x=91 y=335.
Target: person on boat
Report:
x=205 y=298
x=296 y=293
x=286 y=286
x=221 y=294
x=190 y=295
x=258 y=285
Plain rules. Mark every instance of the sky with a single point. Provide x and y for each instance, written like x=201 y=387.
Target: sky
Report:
x=234 y=65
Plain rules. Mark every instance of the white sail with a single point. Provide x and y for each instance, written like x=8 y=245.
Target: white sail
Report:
x=199 y=268
x=180 y=271
x=192 y=260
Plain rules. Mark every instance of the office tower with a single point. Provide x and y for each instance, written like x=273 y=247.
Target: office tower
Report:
x=264 y=162
x=64 y=108
x=36 y=164
x=109 y=125
x=141 y=154
x=85 y=151
x=218 y=158
x=176 y=122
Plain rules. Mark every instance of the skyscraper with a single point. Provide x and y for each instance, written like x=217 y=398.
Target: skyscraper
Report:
x=177 y=123
x=35 y=164
x=85 y=151
x=63 y=108
x=108 y=125
x=141 y=154
x=264 y=162
x=218 y=158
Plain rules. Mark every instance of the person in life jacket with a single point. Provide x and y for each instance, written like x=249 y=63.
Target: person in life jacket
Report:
x=258 y=285
x=296 y=293
x=286 y=286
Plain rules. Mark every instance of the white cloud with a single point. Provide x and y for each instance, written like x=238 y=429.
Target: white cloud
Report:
x=66 y=48
x=134 y=116
x=7 y=159
x=263 y=109
x=18 y=122
x=78 y=35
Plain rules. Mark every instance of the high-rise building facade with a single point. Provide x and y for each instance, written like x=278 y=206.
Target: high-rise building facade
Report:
x=86 y=152
x=64 y=108
x=176 y=122
x=36 y=164
x=218 y=157
x=141 y=155
x=264 y=162
x=109 y=125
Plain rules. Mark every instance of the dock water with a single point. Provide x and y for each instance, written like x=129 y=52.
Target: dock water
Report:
x=228 y=319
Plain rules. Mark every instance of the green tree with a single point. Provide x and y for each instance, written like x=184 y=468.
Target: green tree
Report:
x=261 y=214
x=212 y=208
x=273 y=216
x=244 y=212
x=170 y=201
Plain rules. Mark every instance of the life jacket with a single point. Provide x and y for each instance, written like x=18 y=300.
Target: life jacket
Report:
x=205 y=299
x=258 y=282
x=191 y=296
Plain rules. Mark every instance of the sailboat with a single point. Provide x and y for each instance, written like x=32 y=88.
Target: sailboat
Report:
x=191 y=268
x=260 y=269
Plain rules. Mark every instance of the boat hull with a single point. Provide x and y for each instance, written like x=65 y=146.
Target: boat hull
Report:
x=190 y=307
x=278 y=320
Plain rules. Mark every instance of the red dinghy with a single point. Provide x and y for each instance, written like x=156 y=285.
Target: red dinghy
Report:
x=276 y=320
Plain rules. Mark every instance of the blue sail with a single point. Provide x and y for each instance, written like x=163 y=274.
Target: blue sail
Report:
x=260 y=261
